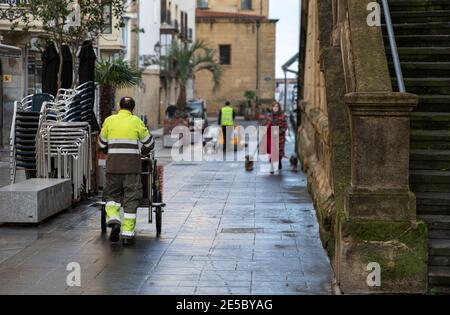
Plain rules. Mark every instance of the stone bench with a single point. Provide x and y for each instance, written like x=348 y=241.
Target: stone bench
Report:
x=34 y=200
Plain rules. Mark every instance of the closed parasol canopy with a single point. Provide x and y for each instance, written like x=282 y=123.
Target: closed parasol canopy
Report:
x=87 y=58
x=50 y=70
x=67 y=70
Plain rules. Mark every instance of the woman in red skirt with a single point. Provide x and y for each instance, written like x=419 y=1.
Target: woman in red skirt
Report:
x=276 y=119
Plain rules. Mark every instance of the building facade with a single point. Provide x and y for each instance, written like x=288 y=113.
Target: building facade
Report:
x=150 y=27
x=177 y=24
x=244 y=38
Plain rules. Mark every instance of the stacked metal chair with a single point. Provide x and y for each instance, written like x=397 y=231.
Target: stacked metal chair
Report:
x=64 y=151
x=86 y=94
x=64 y=138
x=51 y=136
x=24 y=128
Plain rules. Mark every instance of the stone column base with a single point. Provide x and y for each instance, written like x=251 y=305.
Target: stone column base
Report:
x=398 y=247
x=380 y=204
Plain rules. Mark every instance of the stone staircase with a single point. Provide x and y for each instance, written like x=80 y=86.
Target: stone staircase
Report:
x=422 y=29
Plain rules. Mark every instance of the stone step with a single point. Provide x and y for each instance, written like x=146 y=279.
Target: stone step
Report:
x=434 y=103
x=421 y=54
x=439 y=261
x=439 y=248
x=422 y=69
x=440 y=86
x=440 y=234
x=439 y=275
x=429 y=181
x=440 y=290
x=430 y=139
x=408 y=16
x=430 y=120
x=410 y=5
x=431 y=28
x=420 y=40
x=436 y=222
x=430 y=159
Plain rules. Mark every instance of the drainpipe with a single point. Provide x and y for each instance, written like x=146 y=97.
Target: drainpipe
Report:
x=138 y=34
x=285 y=90
x=258 y=70
x=1 y=103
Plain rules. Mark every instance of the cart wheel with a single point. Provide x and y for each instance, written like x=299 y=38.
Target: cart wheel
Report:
x=158 y=215
x=103 y=219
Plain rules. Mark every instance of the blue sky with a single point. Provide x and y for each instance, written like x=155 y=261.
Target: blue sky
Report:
x=287 y=11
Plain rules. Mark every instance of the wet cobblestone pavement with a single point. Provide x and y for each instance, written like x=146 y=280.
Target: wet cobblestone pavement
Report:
x=225 y=231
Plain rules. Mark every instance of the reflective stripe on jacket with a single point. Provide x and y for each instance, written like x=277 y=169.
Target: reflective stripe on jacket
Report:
x=227 y=116
x=121 y=135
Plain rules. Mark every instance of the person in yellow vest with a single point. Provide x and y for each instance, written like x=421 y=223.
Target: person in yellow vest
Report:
x=227 y=117
x=120 y=138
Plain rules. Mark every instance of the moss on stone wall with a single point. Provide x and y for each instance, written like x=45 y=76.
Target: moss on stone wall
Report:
x=400 y=247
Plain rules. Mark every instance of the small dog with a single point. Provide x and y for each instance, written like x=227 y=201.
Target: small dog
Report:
x=249 y=164
x=294 y=163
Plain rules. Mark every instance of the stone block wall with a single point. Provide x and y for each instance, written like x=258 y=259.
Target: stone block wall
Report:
x=354 y=146
x=242 y=74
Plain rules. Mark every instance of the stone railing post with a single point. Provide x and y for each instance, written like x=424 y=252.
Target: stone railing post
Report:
x=380 y=129
x=382 y=247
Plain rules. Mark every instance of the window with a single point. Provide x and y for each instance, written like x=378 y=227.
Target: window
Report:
x=185 y=25
x=126 y=38
x=246 y=4
x=225 y=54
x=202 y=4
x=166 y=14
x=182 y=24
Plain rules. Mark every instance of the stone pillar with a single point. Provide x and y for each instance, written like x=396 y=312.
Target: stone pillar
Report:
x=380 y=124
x=380 y=227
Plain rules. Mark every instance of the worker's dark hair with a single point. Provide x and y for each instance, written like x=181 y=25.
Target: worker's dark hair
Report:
x=227 y=103
x=127 y=103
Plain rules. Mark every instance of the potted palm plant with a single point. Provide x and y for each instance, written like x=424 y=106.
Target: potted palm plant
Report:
x=181 y=62
x=113 y=74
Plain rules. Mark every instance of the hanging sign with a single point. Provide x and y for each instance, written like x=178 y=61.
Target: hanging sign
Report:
x=7 y=78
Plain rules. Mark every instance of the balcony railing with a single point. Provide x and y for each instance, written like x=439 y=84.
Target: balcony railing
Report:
x=9 y=10
x=12 y=2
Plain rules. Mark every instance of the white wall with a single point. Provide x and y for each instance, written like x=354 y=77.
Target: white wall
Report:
x=150 y=21
x=188 y=6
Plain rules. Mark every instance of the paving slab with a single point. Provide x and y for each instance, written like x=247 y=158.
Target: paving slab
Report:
x=225 y=231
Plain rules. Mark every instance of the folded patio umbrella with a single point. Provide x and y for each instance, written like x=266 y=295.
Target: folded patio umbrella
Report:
x=67 y=70
x=50 y=70
x=87 y=58
x=86 y=72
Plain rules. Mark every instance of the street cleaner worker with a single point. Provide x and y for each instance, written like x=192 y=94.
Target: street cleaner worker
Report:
x=120 y=139
x=227 y=116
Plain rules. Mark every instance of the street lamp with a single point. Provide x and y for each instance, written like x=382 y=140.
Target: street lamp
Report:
x=157 y=48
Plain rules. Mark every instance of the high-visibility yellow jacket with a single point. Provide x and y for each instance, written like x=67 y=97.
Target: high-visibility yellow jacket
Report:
x=227 y=116
x=120 y=136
